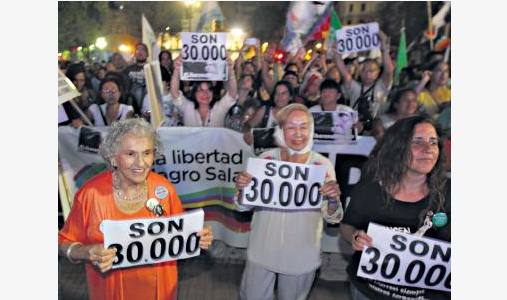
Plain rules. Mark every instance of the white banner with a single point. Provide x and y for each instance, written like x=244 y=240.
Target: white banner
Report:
x=62 y=116
x=201 y=163
x=149 y=39
x=66 y=89
x=204 y=56
x=295 y=186
x=358 y=38
x=155 y=92
x=405 y=259
x=147 y=241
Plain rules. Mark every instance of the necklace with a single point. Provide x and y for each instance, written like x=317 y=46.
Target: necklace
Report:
x=140 y=193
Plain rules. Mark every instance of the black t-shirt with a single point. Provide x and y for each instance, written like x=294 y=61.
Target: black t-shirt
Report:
x=366 y=205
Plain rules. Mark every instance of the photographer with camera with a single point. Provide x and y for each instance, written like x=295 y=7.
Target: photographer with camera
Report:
x=368 y=97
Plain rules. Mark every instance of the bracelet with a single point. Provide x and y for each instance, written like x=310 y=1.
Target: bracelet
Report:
x=332 y=201
x=69 y=250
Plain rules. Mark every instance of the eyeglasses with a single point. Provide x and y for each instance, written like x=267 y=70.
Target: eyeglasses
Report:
x=370 y=70
x=420 y=143
x=113 y=91
x=201 y=90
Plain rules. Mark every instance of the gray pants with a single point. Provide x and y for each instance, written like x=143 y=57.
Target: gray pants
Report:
x=258 y=283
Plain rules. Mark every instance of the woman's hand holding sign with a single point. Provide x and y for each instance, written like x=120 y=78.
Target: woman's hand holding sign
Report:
x=331 y=190
x=100 y=257
x=96 y=254
x=243 y=180
x=206 y=237
x=360 y=239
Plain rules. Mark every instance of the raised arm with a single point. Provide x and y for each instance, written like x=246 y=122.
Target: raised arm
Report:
x=175 y=79
x=387 y=74
x=340 y=65
x=238 y=63
x=266 y=78
x=257 y=58
x=426 y=77
x=232 y=86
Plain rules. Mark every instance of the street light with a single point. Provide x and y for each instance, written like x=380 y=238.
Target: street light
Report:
x=237 y=34
x=124 y=48
x=101 y=43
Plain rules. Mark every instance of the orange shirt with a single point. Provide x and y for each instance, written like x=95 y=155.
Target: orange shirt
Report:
x=93 y=203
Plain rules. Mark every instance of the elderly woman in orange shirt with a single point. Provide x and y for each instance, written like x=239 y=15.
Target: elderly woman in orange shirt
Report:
x=121 y=194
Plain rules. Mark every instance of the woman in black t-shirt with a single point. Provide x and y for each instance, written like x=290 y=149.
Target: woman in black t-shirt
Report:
x=403 y=187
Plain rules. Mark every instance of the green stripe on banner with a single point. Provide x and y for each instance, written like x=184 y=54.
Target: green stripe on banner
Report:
x=221 y=190
x=209 y=203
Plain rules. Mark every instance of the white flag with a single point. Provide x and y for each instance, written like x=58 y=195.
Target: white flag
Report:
x=150 y=40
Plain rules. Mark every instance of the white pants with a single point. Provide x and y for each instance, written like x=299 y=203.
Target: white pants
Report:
x=258 y=283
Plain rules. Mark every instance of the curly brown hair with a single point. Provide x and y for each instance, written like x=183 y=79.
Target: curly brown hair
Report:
x=388 y=163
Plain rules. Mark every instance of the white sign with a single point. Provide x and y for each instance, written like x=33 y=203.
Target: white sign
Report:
x=62 y=116
x=336 y=126
x=147 y=241
x=149 y=39
x=358 y=38
x=66 y=90
x=405 y=259
x=204 y=56
x=284 y=185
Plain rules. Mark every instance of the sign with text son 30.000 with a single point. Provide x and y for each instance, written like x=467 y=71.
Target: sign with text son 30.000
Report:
x=406 y=259
x=284 y=185
x=147 y=241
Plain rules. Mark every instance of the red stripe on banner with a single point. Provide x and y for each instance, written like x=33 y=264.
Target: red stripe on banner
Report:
x=227 y=221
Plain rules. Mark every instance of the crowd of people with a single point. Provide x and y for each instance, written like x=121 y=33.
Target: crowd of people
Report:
x=411 y=119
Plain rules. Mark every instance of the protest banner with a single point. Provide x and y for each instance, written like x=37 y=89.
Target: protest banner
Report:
x=357 y=38
x=89 y=140
x=204 y=56
x=147 y=241
x=66 y=89
x=149 y=39
x=62 y=115
x=203 y=173
x=263 y=140
x=336 y=126
x=405 y=259
x=293 y=185
x=155 y=92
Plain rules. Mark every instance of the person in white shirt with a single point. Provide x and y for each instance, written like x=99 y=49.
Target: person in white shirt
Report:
x=285 y=245
x=202 y=109
x=112 y=110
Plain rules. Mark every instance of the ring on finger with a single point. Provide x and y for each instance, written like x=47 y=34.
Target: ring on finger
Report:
x=96 y=263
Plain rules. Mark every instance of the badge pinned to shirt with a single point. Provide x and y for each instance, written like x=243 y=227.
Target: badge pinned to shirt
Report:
x=161 y=192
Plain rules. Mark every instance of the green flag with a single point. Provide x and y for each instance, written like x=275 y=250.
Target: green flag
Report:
x=331 y=35
x=401 y=59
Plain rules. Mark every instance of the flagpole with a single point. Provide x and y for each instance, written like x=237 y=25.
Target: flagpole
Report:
x=430 y=24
